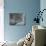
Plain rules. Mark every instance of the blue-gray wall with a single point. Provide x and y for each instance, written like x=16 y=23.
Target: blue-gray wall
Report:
x=29 y=7
x=43 y=6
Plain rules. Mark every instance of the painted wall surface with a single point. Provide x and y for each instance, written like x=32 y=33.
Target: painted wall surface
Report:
x=29 y=7
x=43 y=6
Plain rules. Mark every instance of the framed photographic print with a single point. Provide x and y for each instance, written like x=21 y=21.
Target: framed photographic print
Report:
x=16 y=19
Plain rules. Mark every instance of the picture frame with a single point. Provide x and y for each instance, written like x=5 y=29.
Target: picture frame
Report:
x=17 y=19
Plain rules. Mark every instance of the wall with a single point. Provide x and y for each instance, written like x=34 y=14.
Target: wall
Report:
x=29 y=7
x=42 y=6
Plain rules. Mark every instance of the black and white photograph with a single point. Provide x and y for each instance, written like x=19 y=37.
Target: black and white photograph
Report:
x=16 y=19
